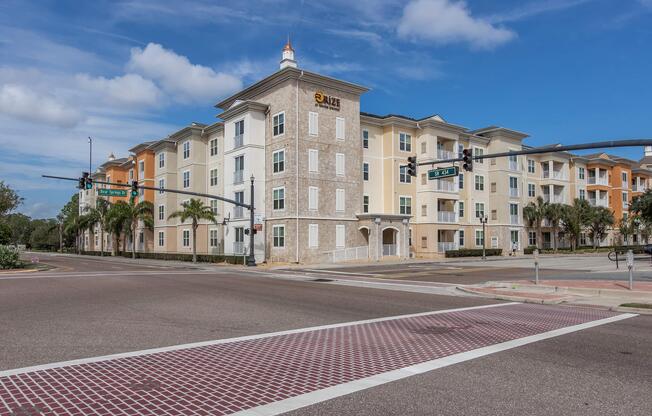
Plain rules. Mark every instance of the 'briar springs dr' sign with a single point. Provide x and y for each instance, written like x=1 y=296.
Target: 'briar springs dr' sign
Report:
x=326 y=101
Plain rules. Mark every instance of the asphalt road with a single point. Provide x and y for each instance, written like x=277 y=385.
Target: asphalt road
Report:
x=92 y=307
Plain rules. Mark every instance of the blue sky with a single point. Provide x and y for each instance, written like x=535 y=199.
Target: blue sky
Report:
x=123 y=72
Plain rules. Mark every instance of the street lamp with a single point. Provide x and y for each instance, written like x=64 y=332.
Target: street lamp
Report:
x=251 y=259
x=483 y=221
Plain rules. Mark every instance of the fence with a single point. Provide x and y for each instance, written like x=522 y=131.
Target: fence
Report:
x=350 y=254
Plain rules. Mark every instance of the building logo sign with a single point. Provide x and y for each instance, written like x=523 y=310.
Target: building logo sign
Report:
x=326 y=101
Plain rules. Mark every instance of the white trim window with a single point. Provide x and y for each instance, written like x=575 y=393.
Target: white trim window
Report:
x=365 y=171
x=403 y=176
x=161 y=160
x=278 y=198
x=340 y=234
x=186 y=179
x=532 y=238
x=313 y=123
x=479 y=183
x=531 y=190
x=460 y=209
x=365 y=139
x=339 y=164
x=161 y=238
x=313 y=235
x=212 y=238
x=161 y=184
x=161 y=212
x=531 y=166
x=313 y=198
x=339 y=200
x=582 y=194
x=405 y=205
x=479 y=209
x=185 y=239
x=313 y=160
x=404 y=142
x=131 y=175
x=581 y=173
x=278 y=161
x=340 y=132
x=478 y=151
x=460 y=238
x=365 y=203
x=278 y=124
x=213 y=205
x=278 y=236
x=479 y=238
x=213 y=177
x=460 y=180
x=213 y=147
x=186 y=149
x=141 y=169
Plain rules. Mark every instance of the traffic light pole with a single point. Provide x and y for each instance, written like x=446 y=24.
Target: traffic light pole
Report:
x=251 y=260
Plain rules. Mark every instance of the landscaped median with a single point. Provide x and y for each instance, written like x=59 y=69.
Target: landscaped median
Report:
x=10 y=261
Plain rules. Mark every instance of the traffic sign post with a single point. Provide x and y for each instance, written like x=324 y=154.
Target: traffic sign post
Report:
x=111 y=192
x=630 y=266
x=443 y=172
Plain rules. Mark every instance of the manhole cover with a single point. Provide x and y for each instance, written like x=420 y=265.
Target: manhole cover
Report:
x=322 y=280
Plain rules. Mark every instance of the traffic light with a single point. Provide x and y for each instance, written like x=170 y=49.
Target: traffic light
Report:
x=467 y=158
x=412 y=166
x=83 y=180
x=134 y=189
x=89 y=183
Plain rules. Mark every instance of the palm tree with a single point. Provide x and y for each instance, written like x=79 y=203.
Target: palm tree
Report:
x=98 y=216
x=554 y=213
x=195 y=210
x=116 y=221
x=600 y=218
x=143 y=211
x=534 y=213
x=574 y=218
x=75 y=225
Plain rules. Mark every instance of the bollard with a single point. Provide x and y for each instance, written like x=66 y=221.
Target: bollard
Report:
x=536 y=266
x=630 y=266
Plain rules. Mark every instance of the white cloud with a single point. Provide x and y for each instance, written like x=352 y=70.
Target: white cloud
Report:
x=180 y=78
x=646 y=3
x=447 y=21
x=536 y=8
x=21 y=102
x=130 y=89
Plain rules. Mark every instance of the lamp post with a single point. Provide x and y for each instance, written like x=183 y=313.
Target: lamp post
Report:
x=483 y=221
x=251 y=259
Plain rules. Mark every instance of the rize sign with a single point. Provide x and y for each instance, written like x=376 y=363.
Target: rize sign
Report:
x=327 y=101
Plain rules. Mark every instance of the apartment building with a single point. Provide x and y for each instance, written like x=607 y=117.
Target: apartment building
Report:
x=331 y=182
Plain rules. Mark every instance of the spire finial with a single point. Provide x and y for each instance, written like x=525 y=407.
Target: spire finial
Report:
x=288 y=55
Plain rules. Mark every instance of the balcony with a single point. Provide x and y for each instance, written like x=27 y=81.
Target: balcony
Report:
x=555 y=199
x=602 y=202
x=238 y=212
x=445 y=186
x=238 y=176
x=513 y=192
x=237 y=141
x=444 y=154
x=513 y=165
x=513 y=219
x=446 y=216
x=238 y=247
x=554 y=175
x=445 y=246
x=639 y=188
x=598 y=181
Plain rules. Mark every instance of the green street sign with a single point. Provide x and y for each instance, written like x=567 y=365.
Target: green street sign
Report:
x=111 y=192
x=443 y=172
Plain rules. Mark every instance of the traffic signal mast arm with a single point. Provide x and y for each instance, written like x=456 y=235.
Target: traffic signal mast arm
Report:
x=551 y=149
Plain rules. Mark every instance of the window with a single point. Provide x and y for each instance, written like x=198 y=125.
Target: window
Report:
x=623 y=176
x=460 y=209
x=513 y=234
x=365 y=171
x=583 y=239
x=213 y=147
x=365 y=203
x=161 y=184
x=186 y=238
x=161 y=238
x=513 y=186
x=278 y=161
x=213 y=177
x=479 y=183
x=161 y=212
x=580 y=173
x=339 y=235
x=186 y=150
x=278 y=233
x=531 y=190
x=494 y=215
x=186 y=179
x=582 y=194
x=493 y=187
x=513 y=213
x=313 y=160
x=212 y=237
x=424 y=147
x=460 y=150
x=339 y=164
x=339 y=200
x=278 y=198
x=238 y=175
x=131 y=174
x=424 y=210
x=239 y=128
x=530 y=166
x=405 y=205
x=313 y=235
x=403 y=176
x=161 y=160
x=460 y=236
x=478 y=152
x=460 y=179
x=213 y=205
x=532 y=238
x=479 y=209
x=313 y=123
x=278 y=123
x=424 y=242
x=479 y=238
x=339 y=128
x=513 y=162
x=624 y=199
x=313 y=198
x=239 y=235
x=405 y=142
x=141 y=169
x=365 y=139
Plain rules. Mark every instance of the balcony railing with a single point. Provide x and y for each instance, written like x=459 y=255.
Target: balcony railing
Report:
x=446 y=245
x=389 y=249
x=444 y=154
x=639 y=188
x=513 y=192
x=513 y=165
x=238 y=247
x=446 y=216
x=598 y=202
x=237 y=141
x=597 y=181
x=445 y=186
x=238 y=212
x=555 y=199
x=513 y=219
x=238 y=176
x=554 y=175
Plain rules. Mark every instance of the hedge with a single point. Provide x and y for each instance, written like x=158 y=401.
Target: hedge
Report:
x=587 y=249
x=202 y=258
x=10 y=258
x=474 y=252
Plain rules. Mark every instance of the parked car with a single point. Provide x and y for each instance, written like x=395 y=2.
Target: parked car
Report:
x=648 y=249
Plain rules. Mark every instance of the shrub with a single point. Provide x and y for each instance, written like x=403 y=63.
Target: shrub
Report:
x=474 y=252
x=9 y=258
x=201 y=258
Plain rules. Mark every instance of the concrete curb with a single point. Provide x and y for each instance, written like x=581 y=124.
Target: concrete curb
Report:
x=640 y=311
x=577 y=290
x=512 y=298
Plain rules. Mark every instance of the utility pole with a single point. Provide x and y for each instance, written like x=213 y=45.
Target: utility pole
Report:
x=484 y=220
x=90 y=155
x=251 y=260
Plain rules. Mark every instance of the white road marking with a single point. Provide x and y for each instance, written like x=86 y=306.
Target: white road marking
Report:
x=318 y=396
x=336 y=272
x=231 y=340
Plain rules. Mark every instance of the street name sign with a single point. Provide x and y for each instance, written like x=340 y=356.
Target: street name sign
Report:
x=112 y=192
x=443 y=172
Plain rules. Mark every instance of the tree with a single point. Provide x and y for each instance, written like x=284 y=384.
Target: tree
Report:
x=554 y=213
x=575 y=218
x=116 y=222
x=98 y=216
x=642 y=206
x=45 y=235
x=534 y=213
x=9 y=199
x=75 y=226
x=69 y=214
x=600 y=219
x=21 y=228
x=143 y=211
x=625 y=228
x=5 y=234
x=194 y=210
